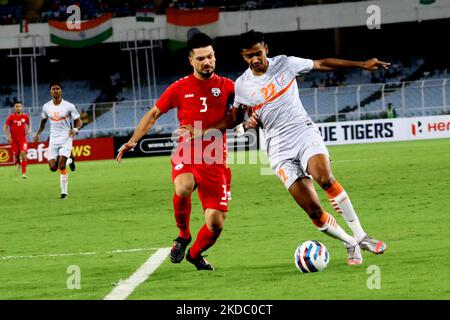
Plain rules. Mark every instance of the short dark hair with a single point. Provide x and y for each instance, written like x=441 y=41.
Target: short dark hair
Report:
x=16 y=102
x=199 y=40
x=55 y=83
x=250 y=38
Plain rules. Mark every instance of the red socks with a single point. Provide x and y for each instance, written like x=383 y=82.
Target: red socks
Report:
x=182 y=208
x=228 y=178
x=24 y=166
x=205 y=239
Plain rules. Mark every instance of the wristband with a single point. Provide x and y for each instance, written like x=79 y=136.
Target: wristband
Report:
x=75 y=129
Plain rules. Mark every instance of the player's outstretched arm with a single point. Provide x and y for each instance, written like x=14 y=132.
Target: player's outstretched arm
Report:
x=331 y=64
x=231 y=120
x=41 y=128
x=146 y=123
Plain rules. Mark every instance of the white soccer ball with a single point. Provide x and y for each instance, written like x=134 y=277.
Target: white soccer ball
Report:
x=311 y=256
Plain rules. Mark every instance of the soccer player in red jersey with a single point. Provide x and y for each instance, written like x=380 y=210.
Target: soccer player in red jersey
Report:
x=201 y=99
x=17 y=135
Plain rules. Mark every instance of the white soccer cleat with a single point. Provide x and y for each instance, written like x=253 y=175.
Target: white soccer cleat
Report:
x=354 y=254
x=372 y=245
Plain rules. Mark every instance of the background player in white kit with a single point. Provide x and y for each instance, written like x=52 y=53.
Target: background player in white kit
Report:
x=60 y=112
x=294 y=144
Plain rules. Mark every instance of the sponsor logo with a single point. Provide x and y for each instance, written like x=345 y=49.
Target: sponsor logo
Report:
x=39 y=153
x=4 y=155
x=157 y=145
x=215 y=92
x=431 y=127
x=179 y=166
x=189 y=95
x=368 y=131
x=82 y=151
x=416 y=128
x=23 y=120
x=280 y=79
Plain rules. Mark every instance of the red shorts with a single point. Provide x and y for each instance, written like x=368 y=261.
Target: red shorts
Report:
x=20 y=145
x=211 y=181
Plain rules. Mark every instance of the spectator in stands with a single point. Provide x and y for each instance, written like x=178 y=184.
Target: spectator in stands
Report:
x=390 y=112
x=84 y=117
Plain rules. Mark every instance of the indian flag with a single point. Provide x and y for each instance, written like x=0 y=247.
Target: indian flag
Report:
x=181 y=23
x=145 y=16
x=89 y=32
x=23 y=26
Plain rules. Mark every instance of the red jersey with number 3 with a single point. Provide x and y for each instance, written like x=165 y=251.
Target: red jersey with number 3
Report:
x=16 y=123
x=205 y=101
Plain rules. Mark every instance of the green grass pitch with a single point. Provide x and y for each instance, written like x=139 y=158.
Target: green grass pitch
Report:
x=400 y=191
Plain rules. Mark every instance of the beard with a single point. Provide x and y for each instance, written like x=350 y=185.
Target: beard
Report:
x=206 y=73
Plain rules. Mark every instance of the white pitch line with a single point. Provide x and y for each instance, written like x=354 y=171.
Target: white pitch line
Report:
x=126 y=287
x=76 y=254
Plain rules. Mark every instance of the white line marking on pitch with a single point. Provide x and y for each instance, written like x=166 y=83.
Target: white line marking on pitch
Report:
x=126 y=287
x=76 y=254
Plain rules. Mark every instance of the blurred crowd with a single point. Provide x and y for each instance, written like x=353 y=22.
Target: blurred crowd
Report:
x=13 y=11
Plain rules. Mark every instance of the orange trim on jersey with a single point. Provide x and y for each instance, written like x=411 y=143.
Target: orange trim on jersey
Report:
x=275 y=96
x=335 y=190
x=58 y=119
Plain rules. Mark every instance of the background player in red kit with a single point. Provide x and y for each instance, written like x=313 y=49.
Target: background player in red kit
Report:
x=201 y=98
x=17 y=135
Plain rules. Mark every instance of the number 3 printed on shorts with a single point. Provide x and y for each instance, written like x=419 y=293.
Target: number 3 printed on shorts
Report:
x=205 y=106
x=225 y=197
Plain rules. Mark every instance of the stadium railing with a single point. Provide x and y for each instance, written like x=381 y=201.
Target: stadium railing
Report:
x=345 y=103
x=369 y=101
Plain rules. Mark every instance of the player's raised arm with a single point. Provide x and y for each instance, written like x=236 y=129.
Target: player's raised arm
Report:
x=331 y=64
x=146 y=123
x=41 y=128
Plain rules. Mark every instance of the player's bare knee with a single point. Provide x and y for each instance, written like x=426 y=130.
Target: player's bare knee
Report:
x=215 y=220
x=183 y=191
x=184 y=185
x=325 y=181
x=216 y=226
x=53 y=166
x=62 y=163
x=315 y=213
